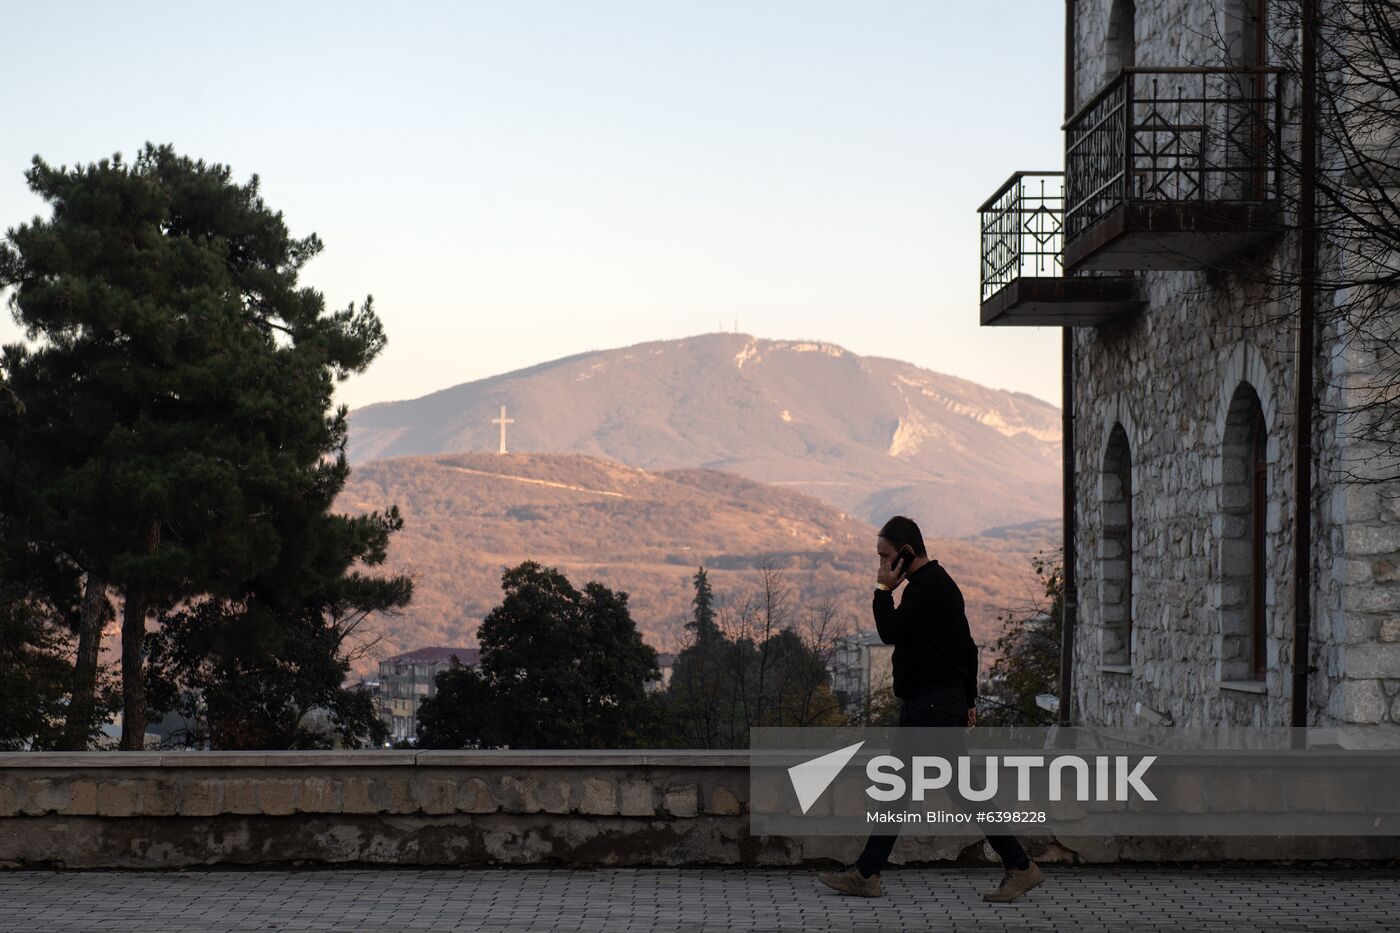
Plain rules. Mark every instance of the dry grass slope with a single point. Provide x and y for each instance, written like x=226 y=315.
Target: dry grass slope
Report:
x=467 y=516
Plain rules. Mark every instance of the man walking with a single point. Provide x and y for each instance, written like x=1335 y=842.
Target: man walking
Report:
x=935 y=675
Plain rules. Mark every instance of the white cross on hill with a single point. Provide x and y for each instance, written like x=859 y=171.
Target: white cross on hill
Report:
x=503 y=421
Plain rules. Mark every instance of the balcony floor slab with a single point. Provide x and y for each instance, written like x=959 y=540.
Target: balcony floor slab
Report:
x=1058 y=301
x=1172 y=235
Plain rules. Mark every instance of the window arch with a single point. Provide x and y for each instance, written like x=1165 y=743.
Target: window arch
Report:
x=1244 y=540
x=1122 y=38
x=1116 y=549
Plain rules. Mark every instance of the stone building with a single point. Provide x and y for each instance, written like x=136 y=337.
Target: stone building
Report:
x=407 y=679
x=1160 y=250
x=665 y=662
x=861 y=667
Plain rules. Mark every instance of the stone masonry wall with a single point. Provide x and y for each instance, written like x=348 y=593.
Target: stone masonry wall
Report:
x=187 y=809
x=180 y=809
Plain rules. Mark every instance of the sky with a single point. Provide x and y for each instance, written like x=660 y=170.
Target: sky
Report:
x=518 y=180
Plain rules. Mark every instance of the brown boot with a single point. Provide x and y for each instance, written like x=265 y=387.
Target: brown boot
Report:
x=851 y=881
x=1015 y=883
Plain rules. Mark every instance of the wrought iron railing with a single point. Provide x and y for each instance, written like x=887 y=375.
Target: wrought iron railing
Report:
x=1021 y=229
x=1172 y=134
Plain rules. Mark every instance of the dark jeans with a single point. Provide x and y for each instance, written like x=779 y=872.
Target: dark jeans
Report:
x=944 y=707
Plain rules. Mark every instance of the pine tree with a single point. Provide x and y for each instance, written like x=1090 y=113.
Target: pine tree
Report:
x=703 y=621
x=247 y=672
x=39 y=599
x=703 y=677
x=176 y=387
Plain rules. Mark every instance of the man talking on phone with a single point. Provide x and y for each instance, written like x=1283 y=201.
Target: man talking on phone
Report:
x=935 y=677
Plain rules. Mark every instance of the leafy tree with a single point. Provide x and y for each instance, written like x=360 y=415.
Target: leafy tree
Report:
x=33 y=677
x=176 y=388
x=1027 y=654
x=35 y=673
x=559 y=669
x=458 y=714
x=702 y=702
x=615 y=666
x=758 y=664
x=799 y=685
x=879 y=707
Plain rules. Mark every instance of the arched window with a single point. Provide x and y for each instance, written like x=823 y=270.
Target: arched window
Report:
x=1244 y=540
x=1122 y=38
x=1116 y=549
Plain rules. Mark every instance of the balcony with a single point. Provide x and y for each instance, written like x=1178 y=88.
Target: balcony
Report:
x=1172 y=168
x=1023 y=281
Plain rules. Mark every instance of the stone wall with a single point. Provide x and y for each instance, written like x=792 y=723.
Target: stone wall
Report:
x=177 y=809
x=1168 y=376
x=187 y=809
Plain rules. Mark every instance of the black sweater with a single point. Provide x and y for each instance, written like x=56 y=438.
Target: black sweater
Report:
x=932 y=644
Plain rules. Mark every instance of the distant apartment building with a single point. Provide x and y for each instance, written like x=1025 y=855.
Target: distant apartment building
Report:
x=405 y=680
x=664 y=662
x=860 y=668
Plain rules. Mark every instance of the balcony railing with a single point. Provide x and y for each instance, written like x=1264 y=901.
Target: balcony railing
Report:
x=1022 y=227
x=1023 y=277
x=1172 y=135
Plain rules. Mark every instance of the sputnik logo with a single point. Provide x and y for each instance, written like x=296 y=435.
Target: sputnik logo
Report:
x=811 y=778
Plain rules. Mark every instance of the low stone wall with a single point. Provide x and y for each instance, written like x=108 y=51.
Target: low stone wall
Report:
x=183 y=809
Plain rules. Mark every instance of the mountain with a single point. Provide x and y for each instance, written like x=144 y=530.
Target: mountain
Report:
x=468 y=516
x=871 y=436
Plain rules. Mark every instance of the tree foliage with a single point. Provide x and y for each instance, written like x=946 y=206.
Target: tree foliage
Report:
x=1355 y=180
x=560 y=668
x=249 y=672
x=42 y=602
x=176 y=441
x=35 y=671
x=756 y=664
x=703 y=620
x=1027 y=654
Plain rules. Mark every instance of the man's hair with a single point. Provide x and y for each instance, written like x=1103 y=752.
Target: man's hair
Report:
x=900 y=531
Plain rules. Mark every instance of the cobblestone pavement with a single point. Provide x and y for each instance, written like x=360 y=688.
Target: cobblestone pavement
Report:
x=693 y=900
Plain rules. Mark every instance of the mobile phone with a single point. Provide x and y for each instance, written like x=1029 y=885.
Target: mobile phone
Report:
x=902 y=560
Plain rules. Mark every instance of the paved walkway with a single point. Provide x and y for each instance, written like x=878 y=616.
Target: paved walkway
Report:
x=692 y=900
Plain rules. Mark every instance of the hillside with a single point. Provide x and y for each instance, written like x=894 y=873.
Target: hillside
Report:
x=871 y=436
x=467 y=516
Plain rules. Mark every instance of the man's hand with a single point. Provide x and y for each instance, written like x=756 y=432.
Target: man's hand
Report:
x=886 y=575
x=972 y=717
